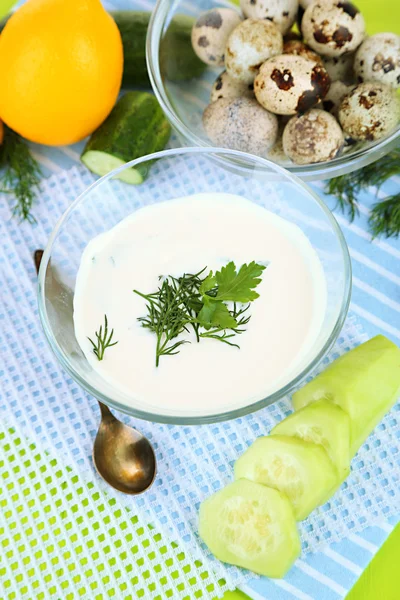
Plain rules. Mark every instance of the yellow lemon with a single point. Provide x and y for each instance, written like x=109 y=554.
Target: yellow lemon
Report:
x=61 y=63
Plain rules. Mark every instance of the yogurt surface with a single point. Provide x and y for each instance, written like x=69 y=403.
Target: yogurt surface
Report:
x=184 y=236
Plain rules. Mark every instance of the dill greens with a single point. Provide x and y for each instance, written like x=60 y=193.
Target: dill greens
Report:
x=197 y=302
x=103 y=340
x=22 y=174
x=384 y=217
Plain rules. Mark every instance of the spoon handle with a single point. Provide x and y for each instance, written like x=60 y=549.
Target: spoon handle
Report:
x=106 y=414
x=38 y=259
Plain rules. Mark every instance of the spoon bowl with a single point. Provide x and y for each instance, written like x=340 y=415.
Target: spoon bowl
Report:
x=123 y=457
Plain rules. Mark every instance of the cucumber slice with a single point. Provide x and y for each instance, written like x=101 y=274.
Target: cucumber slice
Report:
x=102 y=163
x=325 y=424
x=135 y=127
x=365 y=383
x=301 y=470
x=251 y=526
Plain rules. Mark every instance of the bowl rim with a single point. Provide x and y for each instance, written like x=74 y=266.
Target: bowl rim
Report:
x=235 y=412
x=346 y=163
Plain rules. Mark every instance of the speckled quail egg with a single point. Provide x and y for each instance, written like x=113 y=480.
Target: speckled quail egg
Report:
x=287 y=84
x=210 y=33
x=281 y=12
x=370 y=111
x=313 y=137
x=226 y=87
x=300 y=49
x=333 y=27
x=334 y=98
x=249 y=45
x=378 y=59
x=240 y=124
x=340 y=68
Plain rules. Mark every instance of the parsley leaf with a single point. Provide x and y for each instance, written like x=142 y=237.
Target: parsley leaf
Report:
x=215 y=314
x=238 y=286
x=208 y=283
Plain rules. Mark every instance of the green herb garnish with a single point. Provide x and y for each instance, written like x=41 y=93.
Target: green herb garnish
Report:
x=22 y=174
x=384 y=217
x=197 y=302
x=103 y=340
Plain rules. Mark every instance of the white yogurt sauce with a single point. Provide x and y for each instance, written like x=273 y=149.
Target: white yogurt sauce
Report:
x=185 y=235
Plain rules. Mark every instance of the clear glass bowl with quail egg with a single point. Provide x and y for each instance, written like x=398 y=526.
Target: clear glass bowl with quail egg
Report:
x=299 y=82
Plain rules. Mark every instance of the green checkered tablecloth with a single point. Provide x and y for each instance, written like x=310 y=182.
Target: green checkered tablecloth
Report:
x=64 y=537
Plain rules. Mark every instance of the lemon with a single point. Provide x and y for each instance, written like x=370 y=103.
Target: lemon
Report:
x=61 y=64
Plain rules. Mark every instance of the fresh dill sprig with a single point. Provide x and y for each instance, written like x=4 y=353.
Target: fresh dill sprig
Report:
x=167 y=316
x=196 y=302
x=103 y=340
x=385 y=215
x=22 y=174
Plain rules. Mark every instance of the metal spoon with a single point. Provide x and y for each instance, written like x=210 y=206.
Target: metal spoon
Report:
x=123 y=457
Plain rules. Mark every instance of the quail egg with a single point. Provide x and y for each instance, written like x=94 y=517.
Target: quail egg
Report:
x=249 y=45
x=210 y=33
x=300 y=49
x=333 y=99
x=281 y=12
x=287 y=84
x=340 y=68
x=313 y=137
x=305 y=3
x=370 y=111
x=226 y=87
x=240 y=124
x=333 y=27
x=378 y=59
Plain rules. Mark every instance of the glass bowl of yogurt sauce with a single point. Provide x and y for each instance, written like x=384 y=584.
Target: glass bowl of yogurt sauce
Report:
x=197 y=210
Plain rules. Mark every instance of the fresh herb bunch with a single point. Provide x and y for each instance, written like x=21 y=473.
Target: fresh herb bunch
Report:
x=199 y=303
x=103 y=340
x=22 y=174
x=384 y=218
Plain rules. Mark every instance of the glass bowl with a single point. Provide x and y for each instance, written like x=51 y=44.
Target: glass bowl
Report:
x=176 y=173
x=184 y=101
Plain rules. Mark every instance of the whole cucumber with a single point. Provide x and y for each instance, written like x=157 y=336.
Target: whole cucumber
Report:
x=178 y=62
x=135 y=127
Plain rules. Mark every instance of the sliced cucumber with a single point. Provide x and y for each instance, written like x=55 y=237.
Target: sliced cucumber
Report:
x=301 y=470
x=102 y=163
x=251 y=526
x=365 y=383
x=135 y=127
x=322 y=423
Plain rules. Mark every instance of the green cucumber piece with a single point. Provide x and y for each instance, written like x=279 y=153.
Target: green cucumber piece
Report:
x=133 y=27
x=251 y=526
x=178 y=61
x=325 y=424
x=365 y=383
x=301 y=470
x=135 y=127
